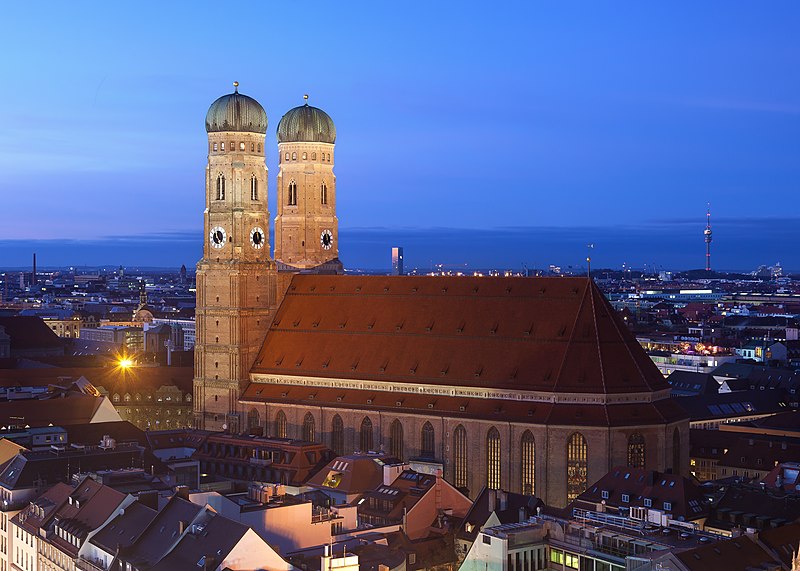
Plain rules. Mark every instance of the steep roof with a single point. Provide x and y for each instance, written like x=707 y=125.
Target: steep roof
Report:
x=124 y=529
x=30 y=332
x=739 y=553
x=556 y=335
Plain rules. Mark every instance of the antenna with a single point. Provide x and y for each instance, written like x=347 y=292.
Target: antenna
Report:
x=589 y=248
x=707 y=234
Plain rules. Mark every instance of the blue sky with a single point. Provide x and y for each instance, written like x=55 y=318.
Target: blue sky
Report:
x=469 y=133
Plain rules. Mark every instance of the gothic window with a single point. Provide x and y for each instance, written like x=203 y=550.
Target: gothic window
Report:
x=220 y=186
x=577 y=466
x=460 y=457
x=676 y=452
x=396 y=439
x=287 y=157
x=329 y=157
x=428 y=436
x=280 y=425
x=293 y=193
x=294 y=156
x=337 y=435
x=493 y=459
x=528 y=455
x=215 y=146
x=222 y=146
x=636 y=451
x=252 y=147
x=253 y=188
x=309 y=434
x=323 y=194
x=241 y=145
x=365 y=434
x=253 y=419
x=305 y=156
x=313 y=156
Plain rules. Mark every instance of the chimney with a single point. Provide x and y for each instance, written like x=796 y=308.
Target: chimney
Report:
x=149 y=498
x=182 y=526
x=182 y=492
x=492 y=500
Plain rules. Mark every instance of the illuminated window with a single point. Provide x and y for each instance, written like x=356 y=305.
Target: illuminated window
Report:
x=528 y=455
x=493 y=458
x=253 y=188
x=116 y=397
x=241 y=146
x=577 y=466
x=636 y=451
x=365 y=435
x=222 y=146
x=280 y=424
x=220 y=186
x=396 y=439
x=428 y=446
x=323 y=194
x=253 y=419
x=337 y=435
x=309 y=433
x=460 y=457
x=215 y=146
x=294 y=156
x=305 y=156
x=292 y=193
x=676 y=452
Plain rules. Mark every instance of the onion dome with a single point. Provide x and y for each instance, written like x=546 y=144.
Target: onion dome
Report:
x=236 y=112
x=306 y=124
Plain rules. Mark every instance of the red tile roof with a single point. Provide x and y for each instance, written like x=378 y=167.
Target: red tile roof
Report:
x=535 y=334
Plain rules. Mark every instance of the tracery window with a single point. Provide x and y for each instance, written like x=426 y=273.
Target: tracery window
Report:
x=323 y=194
x=337 y=435
x=253 y=418
x=293 y=193
x=280 y=424
x=493 y=459
x=365 y=435
x=577 y=466
x=528 y=456
x=396 y=439
x=428 y=438
x=294 y=156
x=220 y=186
x=636 y=451
x=309 y=432
x=305 y=156
x=287 y=157
x=253 y=187
x=460 y=457
x=241 y=145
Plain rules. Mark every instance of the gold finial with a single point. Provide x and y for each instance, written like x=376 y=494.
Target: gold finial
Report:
x=236 y=86
x=305 y=97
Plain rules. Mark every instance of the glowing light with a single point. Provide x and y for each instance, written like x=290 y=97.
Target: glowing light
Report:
x=125 y=363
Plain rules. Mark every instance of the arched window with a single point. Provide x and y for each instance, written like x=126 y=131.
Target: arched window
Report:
x=313 y=156
x=323 y=194
x=222 y=146
x=292 y=193
x=428 y=446
x=636 y=451
x=528 y=456
x=232 y=147
x=329 y=157
x=241 y=146
x=493 y=459
x=577 y=466
x=396 y=439
x=309 y=434
x=286 y=158
x=280 y=425
x=259 y=148
x=676 y=451
x=253 y=188
x=252 y=147
x=220 y=186
x=305 y=156
x=365 y=434
x=215 y=146
x=337 y=435
x=253 y=419
x=294 y=156
x=460 y=457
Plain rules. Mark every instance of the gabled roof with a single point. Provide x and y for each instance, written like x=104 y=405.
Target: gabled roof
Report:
x=737 y=554
x=538 y=334
x=506 y=505
x=124 y=529
x=352 y=474
x=30 y=332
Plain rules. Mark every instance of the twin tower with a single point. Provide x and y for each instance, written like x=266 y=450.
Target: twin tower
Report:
x=239 y=283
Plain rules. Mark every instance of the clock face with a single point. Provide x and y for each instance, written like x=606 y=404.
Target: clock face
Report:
x=218 y=237
x=257 y=238
x=326 y=239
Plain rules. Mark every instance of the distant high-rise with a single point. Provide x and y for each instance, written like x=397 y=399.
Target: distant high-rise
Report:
x=397 y=261
x=707 y=233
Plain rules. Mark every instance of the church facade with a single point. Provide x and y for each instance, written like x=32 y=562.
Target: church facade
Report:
x=532 y=385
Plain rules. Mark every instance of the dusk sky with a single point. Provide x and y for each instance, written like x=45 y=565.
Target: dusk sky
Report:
x=477 y=134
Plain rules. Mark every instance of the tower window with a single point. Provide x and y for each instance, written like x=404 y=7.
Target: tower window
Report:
x=286 y=158
x=493 y=459
x=222 y=146
x=313 y=156
x=233 y=146
x=329 y=157
x=259 y=147
x=293 y=193
x=305 y=156
x=323 y=194
x=253 y=188
x=252 y=147
x=221 y=186
x=215 y=146
x=577 y=466
x=241 y=146
x=294 y=156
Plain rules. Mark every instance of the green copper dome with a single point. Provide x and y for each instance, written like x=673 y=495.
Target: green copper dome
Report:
x=306 y=124
x=236 y=112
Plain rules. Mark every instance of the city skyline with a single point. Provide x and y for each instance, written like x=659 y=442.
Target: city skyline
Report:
x=507 y=138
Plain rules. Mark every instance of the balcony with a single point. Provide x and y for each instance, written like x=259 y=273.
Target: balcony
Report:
x=86 y=565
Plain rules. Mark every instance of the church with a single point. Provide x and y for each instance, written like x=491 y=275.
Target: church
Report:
x=532 y=385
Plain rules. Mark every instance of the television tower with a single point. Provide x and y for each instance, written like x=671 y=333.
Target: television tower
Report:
x=707 y=234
